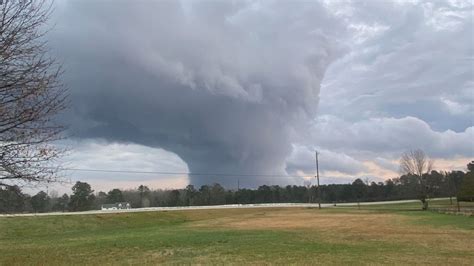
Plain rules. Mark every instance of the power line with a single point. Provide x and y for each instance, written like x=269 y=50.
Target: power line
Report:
x=175 y=173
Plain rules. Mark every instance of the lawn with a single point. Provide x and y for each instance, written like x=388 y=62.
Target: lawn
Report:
x=272 y=235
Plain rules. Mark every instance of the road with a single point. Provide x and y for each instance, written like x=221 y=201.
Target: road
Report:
x=213 y=207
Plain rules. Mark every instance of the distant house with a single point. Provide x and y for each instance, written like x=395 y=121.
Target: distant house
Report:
x=116 y=206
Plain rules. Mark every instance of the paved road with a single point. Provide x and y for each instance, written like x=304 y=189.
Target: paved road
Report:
x=230 y=206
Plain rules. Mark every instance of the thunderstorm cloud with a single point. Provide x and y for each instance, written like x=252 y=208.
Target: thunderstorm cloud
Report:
x=253 y=87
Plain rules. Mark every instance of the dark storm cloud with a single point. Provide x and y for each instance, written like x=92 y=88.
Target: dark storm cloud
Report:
x=226 y=86
x=230 y=87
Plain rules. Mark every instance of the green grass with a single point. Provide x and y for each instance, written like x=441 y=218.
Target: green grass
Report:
x=416 y=205
x=281 y=236
x=443 y=220
x=426 y=217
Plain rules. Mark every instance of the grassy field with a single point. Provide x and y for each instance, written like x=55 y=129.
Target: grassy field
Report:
x=372 y=235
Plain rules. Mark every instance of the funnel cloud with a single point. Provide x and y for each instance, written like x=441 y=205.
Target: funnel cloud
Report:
x=227 y=86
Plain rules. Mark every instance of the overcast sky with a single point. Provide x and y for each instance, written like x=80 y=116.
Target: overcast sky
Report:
x=254 y=87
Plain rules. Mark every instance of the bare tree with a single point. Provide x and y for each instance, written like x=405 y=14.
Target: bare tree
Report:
x=31 y=95
x=417 y=164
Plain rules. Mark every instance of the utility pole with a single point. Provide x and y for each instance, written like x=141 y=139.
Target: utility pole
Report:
x=238 y=190
x=317 y=177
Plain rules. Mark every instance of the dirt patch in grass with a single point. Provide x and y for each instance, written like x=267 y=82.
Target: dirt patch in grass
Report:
x=302 y=219
x=352 y=227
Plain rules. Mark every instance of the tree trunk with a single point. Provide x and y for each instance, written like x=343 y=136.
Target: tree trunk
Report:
x=425 y=204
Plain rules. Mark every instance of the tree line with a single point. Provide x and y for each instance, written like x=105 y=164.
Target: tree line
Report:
x=438 y=184
x=32 y=96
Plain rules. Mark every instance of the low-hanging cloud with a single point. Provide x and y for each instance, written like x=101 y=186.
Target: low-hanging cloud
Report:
x=386 y=136
x=225 y=85
x=302 y=160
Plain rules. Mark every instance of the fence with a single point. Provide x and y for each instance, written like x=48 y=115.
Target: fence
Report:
x=453 y=206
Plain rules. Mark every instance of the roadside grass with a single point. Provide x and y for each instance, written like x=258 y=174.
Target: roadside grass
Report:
x=238 y=236
x=414 y=206
x=413 y=209
x=442 y=220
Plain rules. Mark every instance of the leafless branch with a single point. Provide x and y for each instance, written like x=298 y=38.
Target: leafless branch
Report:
x=31 y=95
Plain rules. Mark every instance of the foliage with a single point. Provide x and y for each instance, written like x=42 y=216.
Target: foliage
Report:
x=115 y=195
x=40 y=202
x=144 y=196
x=12 y=200
x=466 y=192
x=62 y=203
x=82 y=198
x=439 y=184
